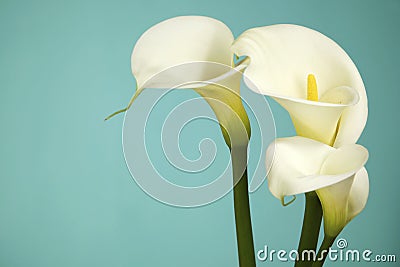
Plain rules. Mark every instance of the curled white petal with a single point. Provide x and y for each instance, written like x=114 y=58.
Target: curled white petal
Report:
x=319 y=120
x=345 y=159
x=299 y=165
x=282 y=56
x=335 y=205
x=177 y=41
x=294 y=165
x=342 y=201
x=358 y=193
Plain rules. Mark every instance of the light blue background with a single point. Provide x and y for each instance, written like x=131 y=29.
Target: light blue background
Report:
x=66 y=196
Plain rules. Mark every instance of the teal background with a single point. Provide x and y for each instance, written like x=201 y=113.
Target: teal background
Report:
x=66 y=196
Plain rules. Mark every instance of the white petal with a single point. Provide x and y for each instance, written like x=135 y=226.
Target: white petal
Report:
x=319 y=120
x=298 y=165
x=283 y=55
x=346 y=159
x=342 y=201
x=358 y=194
x=178 y=41
x=334 y=200
x=293 y=165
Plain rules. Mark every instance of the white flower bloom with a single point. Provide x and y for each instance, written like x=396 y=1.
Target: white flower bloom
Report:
x=177 y=41
x=282 y=57
x=300 y=165
x=194 y=52
x=287 y=62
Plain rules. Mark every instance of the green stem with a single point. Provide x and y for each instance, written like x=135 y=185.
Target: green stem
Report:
x=244 y=233
x=323 y=250
x=310 y=231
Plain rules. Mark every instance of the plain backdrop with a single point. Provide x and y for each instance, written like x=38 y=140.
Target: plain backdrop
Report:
x=66 y=196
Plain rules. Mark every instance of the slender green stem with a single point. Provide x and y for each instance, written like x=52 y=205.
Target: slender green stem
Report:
x=244 y=233
x=323 y=251
x=310 y=231
x=137 y=93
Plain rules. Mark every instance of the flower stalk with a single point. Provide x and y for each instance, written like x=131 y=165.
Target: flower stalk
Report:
x=224 y=99
x=310 y=230
x=244 y=233
x=323 y=251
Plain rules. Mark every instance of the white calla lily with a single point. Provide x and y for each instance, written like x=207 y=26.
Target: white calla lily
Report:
x=301 y=165
x=177 y=41
x=193 y=52
x=282 y=57
x=287 y=62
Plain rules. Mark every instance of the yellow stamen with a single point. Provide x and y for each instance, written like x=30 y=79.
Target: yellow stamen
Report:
x=312 y=90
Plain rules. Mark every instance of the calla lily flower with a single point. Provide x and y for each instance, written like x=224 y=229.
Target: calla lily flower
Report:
x=177 y=41
x=314 y=79
x=281 y=59
x=337 y=175
x=178 y=52
x=193 y=52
